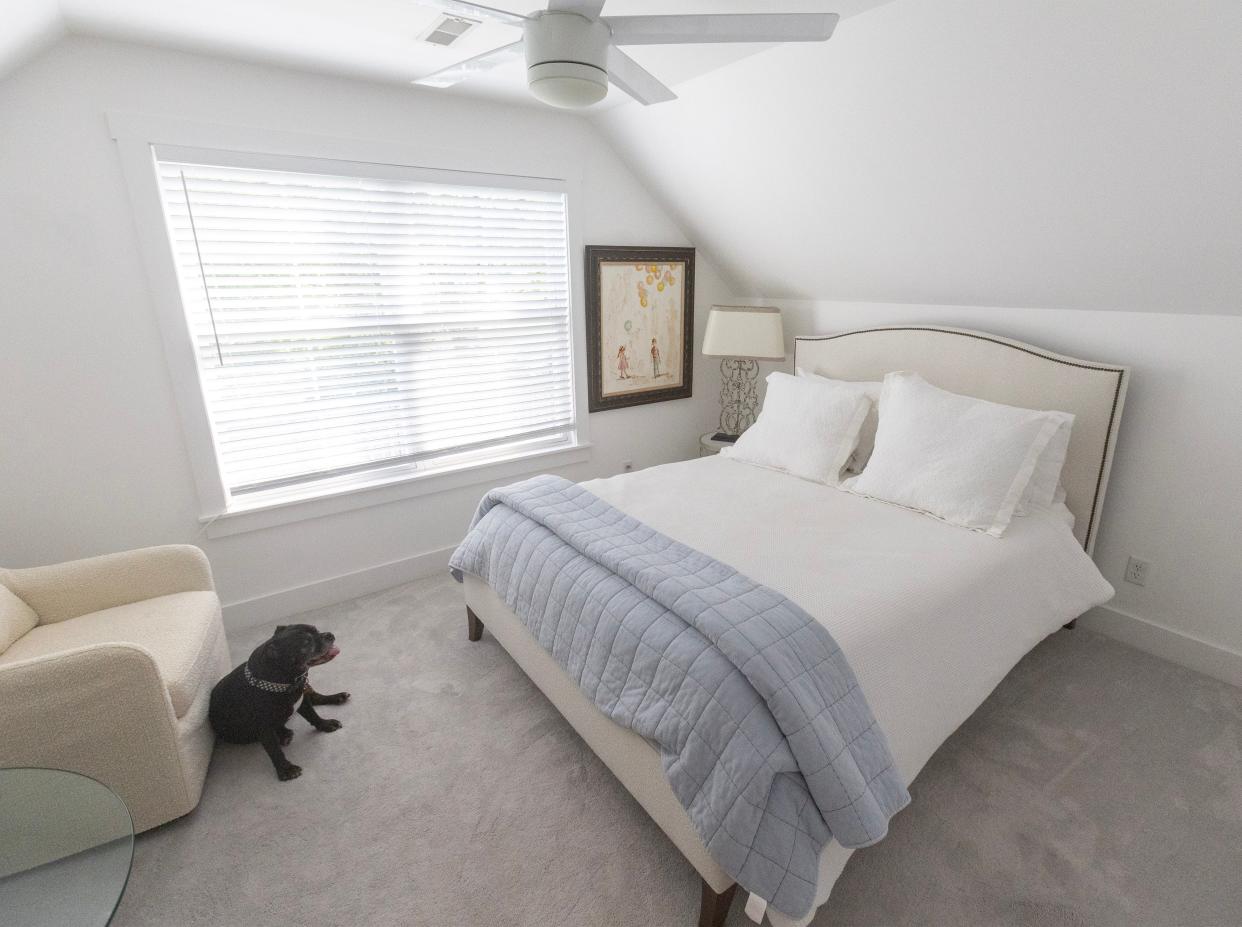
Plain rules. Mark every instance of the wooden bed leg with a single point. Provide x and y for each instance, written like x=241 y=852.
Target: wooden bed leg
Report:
x=713 y=908
x=1073 y=624
x=474 y=627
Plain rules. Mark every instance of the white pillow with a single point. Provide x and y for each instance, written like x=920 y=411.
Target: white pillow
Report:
x=1045 y=488
x=866 y=437
x=16 y=618
x=963 y=460
x=807 y=428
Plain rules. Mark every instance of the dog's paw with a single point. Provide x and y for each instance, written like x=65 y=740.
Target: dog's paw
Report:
x=340 y=698
x=329 y=725
x=289 y=772
x=286 y=736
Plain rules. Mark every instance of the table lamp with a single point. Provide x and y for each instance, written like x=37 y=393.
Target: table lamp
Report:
x=742 y=336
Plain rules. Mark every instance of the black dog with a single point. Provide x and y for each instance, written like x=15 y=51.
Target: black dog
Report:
x=253 y=702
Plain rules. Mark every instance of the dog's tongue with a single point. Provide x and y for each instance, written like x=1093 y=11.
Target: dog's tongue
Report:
x=327 y=655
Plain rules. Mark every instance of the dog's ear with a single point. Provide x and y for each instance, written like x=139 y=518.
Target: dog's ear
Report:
x=279 y=628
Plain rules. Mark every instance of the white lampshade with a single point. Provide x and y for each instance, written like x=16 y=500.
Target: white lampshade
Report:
x=744 y=331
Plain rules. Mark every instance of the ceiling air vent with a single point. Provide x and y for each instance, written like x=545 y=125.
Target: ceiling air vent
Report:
x=448 y=29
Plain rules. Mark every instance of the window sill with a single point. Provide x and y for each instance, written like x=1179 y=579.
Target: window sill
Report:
x=272 y=514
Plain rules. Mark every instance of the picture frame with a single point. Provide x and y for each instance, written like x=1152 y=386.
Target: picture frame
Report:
x=640 y=325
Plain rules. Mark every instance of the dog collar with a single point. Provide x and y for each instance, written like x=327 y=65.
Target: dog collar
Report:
x=264 y=685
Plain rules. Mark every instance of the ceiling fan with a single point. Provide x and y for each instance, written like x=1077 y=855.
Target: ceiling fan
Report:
x=571 y=50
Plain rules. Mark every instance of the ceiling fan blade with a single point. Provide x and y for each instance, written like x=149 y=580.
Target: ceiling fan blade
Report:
x=588 y=8
x=635 y=80
x=456 y=73
x=722 y=27
x=476 y=10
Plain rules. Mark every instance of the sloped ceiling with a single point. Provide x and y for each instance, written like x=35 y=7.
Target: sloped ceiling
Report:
x=371 y=39
x=29 y=26
x=1025 y=153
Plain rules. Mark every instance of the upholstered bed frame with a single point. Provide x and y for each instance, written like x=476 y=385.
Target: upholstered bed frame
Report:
x=969 y=362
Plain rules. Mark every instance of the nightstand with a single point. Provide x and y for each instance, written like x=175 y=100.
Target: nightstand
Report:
x=709 y=445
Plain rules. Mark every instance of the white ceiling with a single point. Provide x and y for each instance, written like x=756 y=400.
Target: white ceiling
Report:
x=372 y=39
x=969 y=152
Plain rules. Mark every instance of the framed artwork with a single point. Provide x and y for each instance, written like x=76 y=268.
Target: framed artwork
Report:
x=640 y=325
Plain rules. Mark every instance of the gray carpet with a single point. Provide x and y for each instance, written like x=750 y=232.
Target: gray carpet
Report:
x=1098 y=785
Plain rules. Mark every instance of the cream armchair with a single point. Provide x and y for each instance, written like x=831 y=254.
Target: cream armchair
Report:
x=106 y=668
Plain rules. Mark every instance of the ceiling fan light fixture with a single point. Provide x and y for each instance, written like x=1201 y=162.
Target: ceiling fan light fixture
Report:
x=567 y=84
x=573 y=53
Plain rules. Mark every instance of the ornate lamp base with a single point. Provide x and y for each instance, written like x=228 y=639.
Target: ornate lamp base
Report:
x=739 y=398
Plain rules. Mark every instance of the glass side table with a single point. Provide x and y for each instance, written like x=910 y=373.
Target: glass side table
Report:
x=66 y=846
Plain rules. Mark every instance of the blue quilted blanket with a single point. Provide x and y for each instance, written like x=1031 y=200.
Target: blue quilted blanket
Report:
x=765 y=735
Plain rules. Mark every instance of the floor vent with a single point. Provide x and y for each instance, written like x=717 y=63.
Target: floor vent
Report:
x=448 y=29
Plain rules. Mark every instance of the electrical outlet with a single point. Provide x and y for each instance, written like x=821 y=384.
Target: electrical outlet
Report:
x=1136 y=571
x=627 y=465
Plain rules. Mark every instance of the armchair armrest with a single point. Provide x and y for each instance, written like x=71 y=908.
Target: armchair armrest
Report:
x=78 y=587
x=101 y=710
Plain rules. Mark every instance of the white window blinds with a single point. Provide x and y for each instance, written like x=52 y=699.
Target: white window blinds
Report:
x=350 y=323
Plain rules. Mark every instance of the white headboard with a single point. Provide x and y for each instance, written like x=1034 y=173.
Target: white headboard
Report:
x=1001 y=370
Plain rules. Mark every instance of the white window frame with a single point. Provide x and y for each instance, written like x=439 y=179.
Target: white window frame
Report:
x=138 y=137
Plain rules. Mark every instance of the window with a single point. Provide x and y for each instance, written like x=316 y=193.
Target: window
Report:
x=356 y=323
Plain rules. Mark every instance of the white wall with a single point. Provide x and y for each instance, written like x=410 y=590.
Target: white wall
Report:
x=93 y=458
x=1018 y=153
x=1174 y=497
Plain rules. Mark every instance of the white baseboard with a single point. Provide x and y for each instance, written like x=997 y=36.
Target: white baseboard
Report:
x=1175 y=646
x=276 y=605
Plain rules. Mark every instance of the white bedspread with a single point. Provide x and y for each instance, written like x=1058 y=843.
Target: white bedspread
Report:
x=931 y=616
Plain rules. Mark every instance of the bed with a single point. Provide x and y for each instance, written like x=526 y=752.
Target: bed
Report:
x=930 y=616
